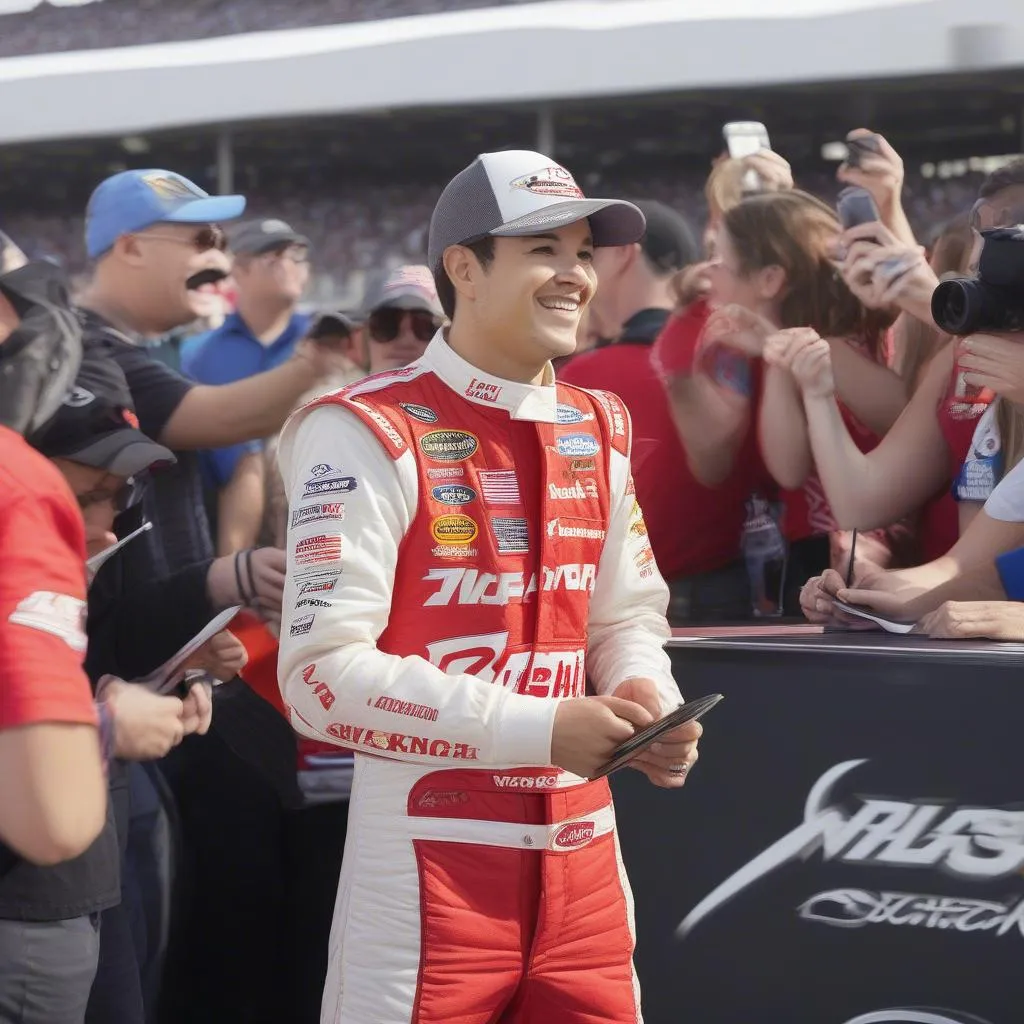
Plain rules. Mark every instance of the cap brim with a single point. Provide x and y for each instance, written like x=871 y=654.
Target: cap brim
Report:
x=123 y=452
x=272 y=242
x=411 y=302
x=211 y=210
x=612 y=221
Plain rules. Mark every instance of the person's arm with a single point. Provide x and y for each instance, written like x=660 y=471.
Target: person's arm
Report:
x=335 y=683
x=627 y=626
x=240 y=504
x=53 y=800
x=872 y=392
x=217 y=416
x=782 y=429
x=866 y=491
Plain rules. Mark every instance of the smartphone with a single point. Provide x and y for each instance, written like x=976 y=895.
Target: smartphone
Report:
x=688 y=712
x=860 y=146
x=855 y=206
x=744 y=138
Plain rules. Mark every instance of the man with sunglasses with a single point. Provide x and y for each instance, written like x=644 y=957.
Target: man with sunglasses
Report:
x=466 y=552
x=402 y=315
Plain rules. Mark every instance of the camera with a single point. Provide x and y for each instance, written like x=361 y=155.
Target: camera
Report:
x=994 y=301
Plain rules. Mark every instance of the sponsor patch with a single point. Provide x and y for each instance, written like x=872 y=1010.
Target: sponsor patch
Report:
x=384 y=423
x=432 y=798
x=418 y=412
x=323 y=547
x=560 y=529
x=446 y=473
x=60 y=615
x=454 y=529
x=314 y=602
x=318 y=513
x=577 y=445
x=573 y=836
x=401 y=743
x=500 y=487
x=466 y=586
x=570 y=414
x=301 y=625
x=581 y=489
x=404 y=707
x=453 y=494
x=454 y=551
x=577 y=466
x=482 y=390
x=324 y=479
x=322 y=583
x=449 y=445
x=511 y=534
x=321 y=690
x=549 y=181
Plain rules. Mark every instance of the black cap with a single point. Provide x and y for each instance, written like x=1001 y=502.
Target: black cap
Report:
x=96 y=424
x=254 y=237
x=669 y=242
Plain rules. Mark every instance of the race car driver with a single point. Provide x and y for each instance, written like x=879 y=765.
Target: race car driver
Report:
x=464 y=551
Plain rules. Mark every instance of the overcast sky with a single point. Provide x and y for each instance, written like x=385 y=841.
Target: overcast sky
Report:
x=27 y=5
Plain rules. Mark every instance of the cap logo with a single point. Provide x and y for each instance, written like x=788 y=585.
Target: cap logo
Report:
x=76 y=398
x=167 y=187
x=549 y=181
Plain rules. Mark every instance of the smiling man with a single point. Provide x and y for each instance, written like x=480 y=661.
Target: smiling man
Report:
x=465 y=550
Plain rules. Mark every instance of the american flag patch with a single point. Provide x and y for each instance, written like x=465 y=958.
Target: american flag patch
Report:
x=500 y=487
x=512 y=535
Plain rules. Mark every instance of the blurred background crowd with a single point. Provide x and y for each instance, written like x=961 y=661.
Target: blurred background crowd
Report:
x=817 y=340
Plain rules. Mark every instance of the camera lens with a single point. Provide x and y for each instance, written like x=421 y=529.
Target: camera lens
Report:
x=952 y=308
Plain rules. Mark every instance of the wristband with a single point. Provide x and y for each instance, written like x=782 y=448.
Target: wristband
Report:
x=246 y=599
x=248 y=569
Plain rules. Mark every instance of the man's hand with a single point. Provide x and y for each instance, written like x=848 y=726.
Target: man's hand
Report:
x=146 y=725
x=959 y=620
x=880 y=173
x=817 y=599
x=267 y=580
x=223 y=656
x=197 y=708
x=774 y=171
x=994 y=361
x=588 y=729
x=806 y=355
x=668 y=761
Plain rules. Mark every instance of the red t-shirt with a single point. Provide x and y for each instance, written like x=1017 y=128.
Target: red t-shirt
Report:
x=42 y=593
x=692 y=528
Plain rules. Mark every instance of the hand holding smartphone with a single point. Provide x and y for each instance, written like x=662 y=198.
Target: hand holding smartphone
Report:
x=743 y=139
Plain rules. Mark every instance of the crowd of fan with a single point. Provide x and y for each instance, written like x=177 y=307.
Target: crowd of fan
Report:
x=357 y=227
x=105 y=23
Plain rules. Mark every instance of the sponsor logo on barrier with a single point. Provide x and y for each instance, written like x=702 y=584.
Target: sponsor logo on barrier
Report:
x=471 y=587
x=573 y=835
x=454 y=529
x=978 y=843
x=453 y=494
x=419 y=412
x=577 y=446
x=449 y=445
x=856 y=908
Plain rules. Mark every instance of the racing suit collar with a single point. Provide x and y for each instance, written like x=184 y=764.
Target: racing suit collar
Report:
x=534 y=402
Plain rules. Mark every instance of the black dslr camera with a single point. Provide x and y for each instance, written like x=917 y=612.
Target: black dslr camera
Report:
x=994 y=301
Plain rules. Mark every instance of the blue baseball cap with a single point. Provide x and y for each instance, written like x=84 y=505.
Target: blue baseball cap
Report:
x=133 y=200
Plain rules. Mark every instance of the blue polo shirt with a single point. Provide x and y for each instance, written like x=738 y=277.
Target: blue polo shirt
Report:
x=231 y=353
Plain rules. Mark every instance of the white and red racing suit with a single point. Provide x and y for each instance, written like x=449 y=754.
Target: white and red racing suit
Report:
x=458 y=545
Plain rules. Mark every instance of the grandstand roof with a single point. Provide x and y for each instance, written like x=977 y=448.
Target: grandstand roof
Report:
x=569 y=49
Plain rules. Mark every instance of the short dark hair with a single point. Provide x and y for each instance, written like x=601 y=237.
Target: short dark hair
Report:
x=1007 y=176
x=483 y=250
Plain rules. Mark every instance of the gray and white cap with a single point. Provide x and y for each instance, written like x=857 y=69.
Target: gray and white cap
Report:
x=518 y=192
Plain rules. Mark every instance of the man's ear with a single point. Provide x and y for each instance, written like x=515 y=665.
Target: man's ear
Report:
x=126 y=249
x=771 y=282
x=463 y=270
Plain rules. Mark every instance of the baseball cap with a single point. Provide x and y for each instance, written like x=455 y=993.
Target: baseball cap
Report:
x=95 y=424
x=669 y=242
x=519 y=192
x=133 y=200
x=259 y=236
x=408 y=287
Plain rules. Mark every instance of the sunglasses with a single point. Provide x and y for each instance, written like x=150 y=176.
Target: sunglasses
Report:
x=384 y=324
x=205 y=239
x=121 y=498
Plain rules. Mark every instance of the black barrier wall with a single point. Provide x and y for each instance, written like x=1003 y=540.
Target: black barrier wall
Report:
x=850 y=847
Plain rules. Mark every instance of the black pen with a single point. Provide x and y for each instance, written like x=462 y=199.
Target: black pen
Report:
x=853 y=553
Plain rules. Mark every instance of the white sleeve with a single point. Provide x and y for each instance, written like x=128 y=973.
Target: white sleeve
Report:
x=628 y=629
x=1006 y=502
x=339 y=688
